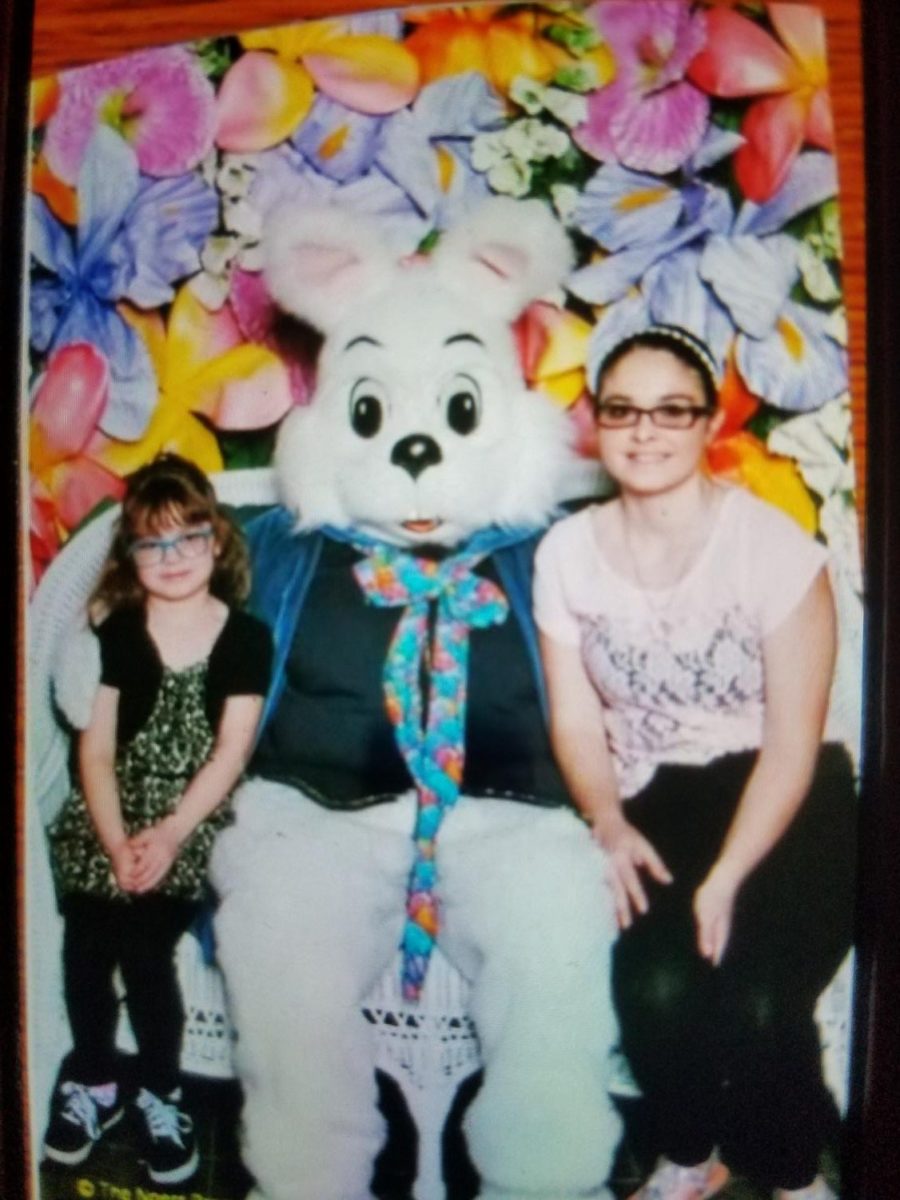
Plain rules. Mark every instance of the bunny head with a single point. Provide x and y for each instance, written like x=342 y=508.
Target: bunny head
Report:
x=421 y=428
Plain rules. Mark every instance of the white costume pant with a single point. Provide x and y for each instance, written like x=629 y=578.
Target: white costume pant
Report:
x=312 y=908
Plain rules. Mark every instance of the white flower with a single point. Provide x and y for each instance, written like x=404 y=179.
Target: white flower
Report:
x=209 y=167
x=530 y=140
x=241 y=218
x=210 y=290
x=488 y=151
x=565 y=197
x=570 y=109
x=560 y=102
x=528 y=94
x=836 y=421
x=217 y=255
x=211 y=285
x=251 y=257
x=510 y=178
x=819 y=443
x=837 y=520
x=235 y=176
x=817 y=278
x=836 y=326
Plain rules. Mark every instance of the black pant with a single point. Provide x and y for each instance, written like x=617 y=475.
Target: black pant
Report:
x=139 y=936
x=730 y=1055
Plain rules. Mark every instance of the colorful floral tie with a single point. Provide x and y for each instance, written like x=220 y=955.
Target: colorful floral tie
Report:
x=434 y=747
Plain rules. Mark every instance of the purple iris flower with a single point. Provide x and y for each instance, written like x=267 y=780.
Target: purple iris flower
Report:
x=135 y=238
x=681 y=255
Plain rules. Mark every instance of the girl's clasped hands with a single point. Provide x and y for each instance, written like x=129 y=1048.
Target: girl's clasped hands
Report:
x=142 y=861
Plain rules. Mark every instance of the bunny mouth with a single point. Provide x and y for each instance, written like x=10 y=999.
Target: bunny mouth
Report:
x=422 y=527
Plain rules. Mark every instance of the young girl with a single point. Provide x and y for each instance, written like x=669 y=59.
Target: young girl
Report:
x=688 y=635
x=182 y=681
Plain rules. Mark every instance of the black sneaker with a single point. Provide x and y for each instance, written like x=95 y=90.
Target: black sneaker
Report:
x=169 y=1150
x=79 y=1116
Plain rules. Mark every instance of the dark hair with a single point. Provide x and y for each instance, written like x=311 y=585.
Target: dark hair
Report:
x=679 y=343
x=165 y=490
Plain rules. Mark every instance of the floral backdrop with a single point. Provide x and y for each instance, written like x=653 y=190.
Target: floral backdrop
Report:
x=688 y=152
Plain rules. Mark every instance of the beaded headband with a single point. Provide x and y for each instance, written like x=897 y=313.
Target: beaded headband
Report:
x=671 y=333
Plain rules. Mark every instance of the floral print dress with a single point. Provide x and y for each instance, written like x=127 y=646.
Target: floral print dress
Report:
x=152 y=771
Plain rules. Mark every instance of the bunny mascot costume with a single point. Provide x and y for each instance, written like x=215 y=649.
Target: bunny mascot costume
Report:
x=403 y=791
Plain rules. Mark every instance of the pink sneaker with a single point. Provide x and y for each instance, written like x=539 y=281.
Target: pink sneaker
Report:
x=671 y=1182
x=817 y=1190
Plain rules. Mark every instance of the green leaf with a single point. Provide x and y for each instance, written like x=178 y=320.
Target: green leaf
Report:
x=100 y=507
x=215 y=55
x=576 y=78
x=244 y=450
x=429 y=241
x=577 y=39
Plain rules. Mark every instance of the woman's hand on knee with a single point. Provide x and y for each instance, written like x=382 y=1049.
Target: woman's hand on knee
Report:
x=713 y=912
x=629 y=853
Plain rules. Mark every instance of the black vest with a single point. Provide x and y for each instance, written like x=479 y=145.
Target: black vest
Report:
x=330 y=734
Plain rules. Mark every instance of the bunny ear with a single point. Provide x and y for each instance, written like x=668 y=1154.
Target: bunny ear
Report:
x=317 y=262
x=508 y=253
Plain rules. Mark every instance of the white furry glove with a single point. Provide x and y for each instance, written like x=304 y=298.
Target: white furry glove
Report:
x=76 y=674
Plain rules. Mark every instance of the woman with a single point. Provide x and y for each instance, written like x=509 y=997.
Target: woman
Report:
x=695 y=625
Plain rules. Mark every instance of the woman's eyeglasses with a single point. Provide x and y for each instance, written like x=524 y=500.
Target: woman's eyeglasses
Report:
x=616 y=414
x=150 y=552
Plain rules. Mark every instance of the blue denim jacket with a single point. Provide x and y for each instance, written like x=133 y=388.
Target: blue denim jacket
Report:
x=284 y=563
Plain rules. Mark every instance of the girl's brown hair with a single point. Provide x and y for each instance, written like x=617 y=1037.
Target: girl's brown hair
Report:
x=171 y=489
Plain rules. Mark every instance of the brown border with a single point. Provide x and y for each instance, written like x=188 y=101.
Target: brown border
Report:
x=15 y=52
x=874 y=1155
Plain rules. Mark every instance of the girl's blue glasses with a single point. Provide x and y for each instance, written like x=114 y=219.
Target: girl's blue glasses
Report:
x=150 y=552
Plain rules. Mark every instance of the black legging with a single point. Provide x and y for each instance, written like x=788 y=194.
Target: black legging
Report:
x=139 y=936
x=730 y=1055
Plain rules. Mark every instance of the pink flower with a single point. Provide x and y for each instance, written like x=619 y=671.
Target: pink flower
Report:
x=258 y=318
x=67 y=481
x=159 y=100
x=269 y=90
x=650 y=118
x=742 y=59
x=43 y=536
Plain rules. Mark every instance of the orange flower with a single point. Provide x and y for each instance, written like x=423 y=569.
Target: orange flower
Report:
x=736 y=401
x=61 y=199
x=744 y=459
x=449 y=41
x=44 y=99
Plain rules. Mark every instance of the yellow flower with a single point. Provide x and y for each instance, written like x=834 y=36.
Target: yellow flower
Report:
x=270 y=89
x=552 y=346
x=501 y=46
x=744 y=459
x=204 y=369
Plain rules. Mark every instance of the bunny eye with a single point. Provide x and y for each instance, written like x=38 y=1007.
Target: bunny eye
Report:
x=366 y=408
x=463 y=405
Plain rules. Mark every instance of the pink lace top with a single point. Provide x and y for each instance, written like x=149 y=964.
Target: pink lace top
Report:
x=679 y=671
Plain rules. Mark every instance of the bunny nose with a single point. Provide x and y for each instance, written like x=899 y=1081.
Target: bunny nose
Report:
x=415 y=453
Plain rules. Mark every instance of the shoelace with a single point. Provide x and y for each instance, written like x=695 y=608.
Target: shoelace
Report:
x=81 y=1109
x=163 y=1120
